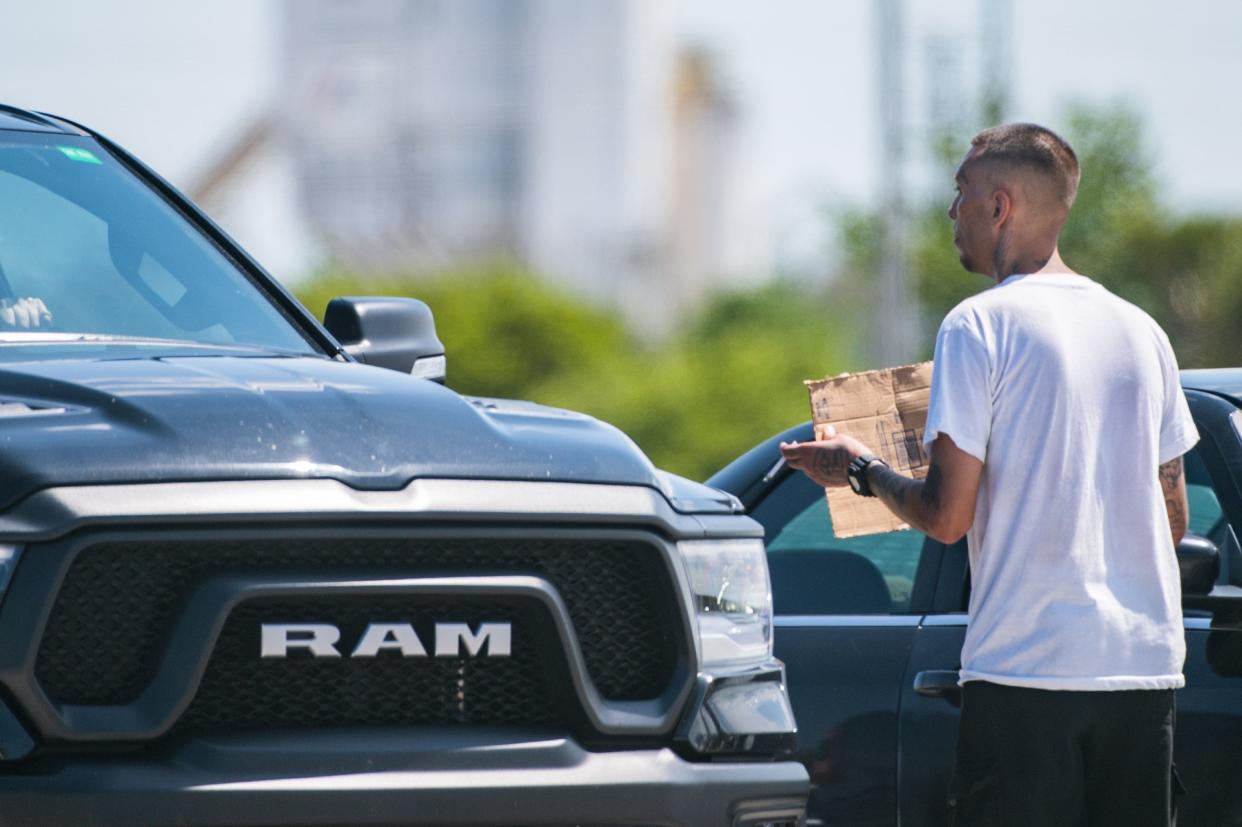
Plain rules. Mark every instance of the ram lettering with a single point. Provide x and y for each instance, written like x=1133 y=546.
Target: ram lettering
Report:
x=320 y=640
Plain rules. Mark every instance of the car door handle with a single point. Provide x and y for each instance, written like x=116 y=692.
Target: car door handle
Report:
x=939 y=683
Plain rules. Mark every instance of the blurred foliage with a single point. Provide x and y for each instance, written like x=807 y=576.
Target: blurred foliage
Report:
x=1185 y=271
x=728 y=379
x=505 y=333
x=731 y=375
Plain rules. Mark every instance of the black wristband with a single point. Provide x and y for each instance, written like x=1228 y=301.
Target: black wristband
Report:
x=856 y=474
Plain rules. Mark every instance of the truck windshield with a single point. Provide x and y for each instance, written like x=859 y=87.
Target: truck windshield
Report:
x=88 y=252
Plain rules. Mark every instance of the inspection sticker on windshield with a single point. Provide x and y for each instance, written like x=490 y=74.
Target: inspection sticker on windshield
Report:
x=74 y=153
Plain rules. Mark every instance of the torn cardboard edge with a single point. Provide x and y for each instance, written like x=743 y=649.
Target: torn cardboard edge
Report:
x=886 y=410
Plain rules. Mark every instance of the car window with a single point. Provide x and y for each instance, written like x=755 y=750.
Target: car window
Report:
x=1205 y=510
x=1206 y=515
x=814 y=572
x=1208 y=519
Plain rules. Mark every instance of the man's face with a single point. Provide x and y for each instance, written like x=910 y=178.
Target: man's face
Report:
x=974 y=233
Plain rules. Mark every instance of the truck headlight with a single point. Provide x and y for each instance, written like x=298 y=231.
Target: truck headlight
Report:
x=733 y=599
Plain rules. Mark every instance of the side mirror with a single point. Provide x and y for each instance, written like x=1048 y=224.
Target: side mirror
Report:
x=389 y=332
x=1199 y=561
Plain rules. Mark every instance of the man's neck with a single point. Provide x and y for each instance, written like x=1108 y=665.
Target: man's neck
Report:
x=1055 y=264
x=1034 y=265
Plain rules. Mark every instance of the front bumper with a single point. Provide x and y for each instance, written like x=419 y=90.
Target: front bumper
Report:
x=398 y=778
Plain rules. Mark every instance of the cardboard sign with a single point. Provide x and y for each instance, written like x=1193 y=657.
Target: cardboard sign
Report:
x=886 y=411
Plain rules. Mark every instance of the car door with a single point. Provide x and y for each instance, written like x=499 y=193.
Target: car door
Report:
x=1208 y=746
x=846 y=617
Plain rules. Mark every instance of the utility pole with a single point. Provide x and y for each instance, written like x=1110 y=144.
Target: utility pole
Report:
x=996 y=31
x=895 y=331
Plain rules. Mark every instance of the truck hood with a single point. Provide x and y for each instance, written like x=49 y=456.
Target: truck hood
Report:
x=228 y=417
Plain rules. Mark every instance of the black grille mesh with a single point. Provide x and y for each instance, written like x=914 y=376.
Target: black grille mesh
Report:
x=240 y=690
x=107 y=628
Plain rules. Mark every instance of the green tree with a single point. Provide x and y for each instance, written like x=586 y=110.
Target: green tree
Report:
x=732 y=375
x=693 y=402
x=504 y=330
x=731 y=379
x=1185 y=271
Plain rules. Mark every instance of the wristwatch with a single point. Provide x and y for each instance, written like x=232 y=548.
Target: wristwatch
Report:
x=857 y=474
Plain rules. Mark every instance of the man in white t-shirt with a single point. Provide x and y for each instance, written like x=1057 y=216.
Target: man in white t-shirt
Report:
x=1056 y=431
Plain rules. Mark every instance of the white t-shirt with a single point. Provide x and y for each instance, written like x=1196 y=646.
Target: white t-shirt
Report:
x=1070 y=397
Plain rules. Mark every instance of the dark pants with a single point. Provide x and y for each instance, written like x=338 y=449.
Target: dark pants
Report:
x=1028 y=757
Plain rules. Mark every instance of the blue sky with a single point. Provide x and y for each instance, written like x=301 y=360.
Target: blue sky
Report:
x=172 y=81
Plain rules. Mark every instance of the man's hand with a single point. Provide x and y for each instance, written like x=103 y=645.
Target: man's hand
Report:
x=824 y=460
x=942 y=505
x=24 y=314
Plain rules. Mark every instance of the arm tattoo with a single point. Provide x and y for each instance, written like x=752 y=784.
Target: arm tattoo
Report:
x=1174 y=500
x=1177 y=514
x=892 y=488
x=829 y=462
x=1170 y=473
x=918 y=502
x=885 y=481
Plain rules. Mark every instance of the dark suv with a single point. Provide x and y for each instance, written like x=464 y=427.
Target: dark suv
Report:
x=253 y=571
x=871 y=628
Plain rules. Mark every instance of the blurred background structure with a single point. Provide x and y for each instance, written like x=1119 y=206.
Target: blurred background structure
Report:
x=576 y=138
x=666 y=212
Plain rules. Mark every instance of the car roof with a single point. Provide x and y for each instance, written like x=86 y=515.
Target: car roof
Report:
x=14 y=118
x=1224 y=381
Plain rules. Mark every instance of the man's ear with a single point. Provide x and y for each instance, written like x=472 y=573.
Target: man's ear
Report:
x=1002 y=206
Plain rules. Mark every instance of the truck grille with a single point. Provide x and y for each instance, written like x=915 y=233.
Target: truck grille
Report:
x=106 y=632
x=240 y=690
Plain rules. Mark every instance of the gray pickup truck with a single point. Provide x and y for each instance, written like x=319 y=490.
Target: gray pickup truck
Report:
x=257 y=570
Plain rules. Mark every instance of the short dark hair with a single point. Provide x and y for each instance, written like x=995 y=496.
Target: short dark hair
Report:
x=1035 y=147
